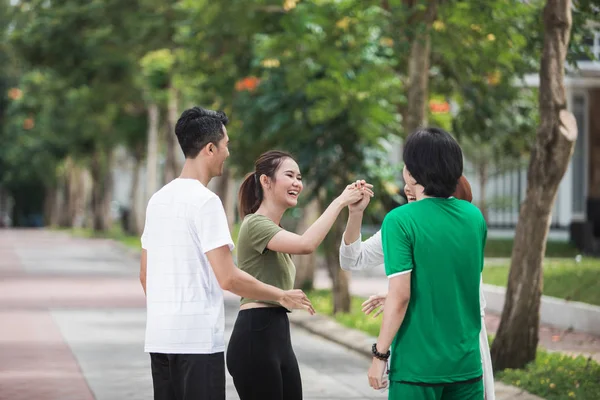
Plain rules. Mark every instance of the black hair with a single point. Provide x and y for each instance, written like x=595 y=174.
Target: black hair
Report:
x=435 y=161
x=250 y=195
x=197 y=127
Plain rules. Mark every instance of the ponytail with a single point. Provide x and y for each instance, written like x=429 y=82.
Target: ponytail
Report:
x=249 y=196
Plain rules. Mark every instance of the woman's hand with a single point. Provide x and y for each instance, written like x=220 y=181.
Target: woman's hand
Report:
x=362 y=204
x=373 y=303
x=355 y=192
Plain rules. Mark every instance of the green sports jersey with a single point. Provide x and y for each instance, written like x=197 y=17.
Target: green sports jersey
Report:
x=440 y=242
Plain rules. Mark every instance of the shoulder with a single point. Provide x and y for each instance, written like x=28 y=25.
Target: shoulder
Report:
x=202 y=198
x=402 y=213
x=470 y=209
x=252 y=221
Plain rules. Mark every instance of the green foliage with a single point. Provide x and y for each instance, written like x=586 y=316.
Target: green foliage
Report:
x=32 y=135
x=563 y=278
x=322 y=79
x=556 y=376
x=322 y=301
x=496 y=118
x=298 y=105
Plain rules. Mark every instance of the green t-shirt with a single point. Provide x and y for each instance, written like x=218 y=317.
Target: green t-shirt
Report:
x=440 y=242
x=273 y=268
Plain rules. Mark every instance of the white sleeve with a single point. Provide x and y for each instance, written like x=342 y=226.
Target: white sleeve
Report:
x=362 y=255
x=211 y=226
x=482 y=302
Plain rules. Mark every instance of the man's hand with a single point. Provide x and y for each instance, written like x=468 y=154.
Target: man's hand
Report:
x=296 y=299
x=374 y=302
x=376 y=373
x=362 y=204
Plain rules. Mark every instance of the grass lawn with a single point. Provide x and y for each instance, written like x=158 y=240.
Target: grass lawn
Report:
x=503 y=248
x=563 y=278
x=553 y=376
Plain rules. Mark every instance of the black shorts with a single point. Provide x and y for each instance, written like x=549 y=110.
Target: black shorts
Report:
x=188 y=376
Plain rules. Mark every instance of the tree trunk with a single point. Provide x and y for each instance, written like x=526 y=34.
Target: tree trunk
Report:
x=51 y=209
x=73 y=176
x=415 y=113
x=483 y=176
x=152 y=160
x=339 y=277
x=517 y=338
x=306 y=263
x=79 y=198
x=134 y=225
x=102 y=189
x=223 y=188
x=63 y=191
x=172 y=164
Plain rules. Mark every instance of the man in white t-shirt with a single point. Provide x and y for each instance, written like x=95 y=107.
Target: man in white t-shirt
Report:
x=186 y=263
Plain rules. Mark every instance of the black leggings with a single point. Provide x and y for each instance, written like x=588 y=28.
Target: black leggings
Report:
x=260 y=357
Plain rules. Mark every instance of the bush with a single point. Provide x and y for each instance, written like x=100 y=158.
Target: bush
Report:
x=556 y=376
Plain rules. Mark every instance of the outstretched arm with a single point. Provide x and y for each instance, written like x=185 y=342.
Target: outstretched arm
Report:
x=292 y=243
x=354 y=254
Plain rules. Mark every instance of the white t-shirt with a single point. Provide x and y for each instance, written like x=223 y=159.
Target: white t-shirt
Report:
x=185 y=310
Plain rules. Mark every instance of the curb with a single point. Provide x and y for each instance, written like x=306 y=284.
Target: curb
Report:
x=560 y=313
x=361 y=343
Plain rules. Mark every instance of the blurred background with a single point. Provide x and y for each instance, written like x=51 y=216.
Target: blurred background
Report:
x=90 y=91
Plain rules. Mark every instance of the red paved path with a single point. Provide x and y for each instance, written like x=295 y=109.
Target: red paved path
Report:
x=35 y=361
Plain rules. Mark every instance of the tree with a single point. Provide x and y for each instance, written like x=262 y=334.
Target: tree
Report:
x=516 y=341
x=423 y=15
x=92 y=46
x=325 y=89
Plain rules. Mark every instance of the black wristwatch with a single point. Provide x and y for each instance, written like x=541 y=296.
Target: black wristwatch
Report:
x=378 y=355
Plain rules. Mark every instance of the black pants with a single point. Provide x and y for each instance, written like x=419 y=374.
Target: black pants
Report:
x=188 y=376
x=260 y=357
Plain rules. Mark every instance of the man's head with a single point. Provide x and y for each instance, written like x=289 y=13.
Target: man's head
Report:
x=202 y=132
x=433 y=162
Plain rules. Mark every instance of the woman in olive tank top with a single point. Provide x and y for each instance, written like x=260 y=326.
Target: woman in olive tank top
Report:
x=260 y=357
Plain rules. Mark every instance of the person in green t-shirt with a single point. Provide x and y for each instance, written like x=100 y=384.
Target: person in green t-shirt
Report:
x=433 y=255
x=260 y=357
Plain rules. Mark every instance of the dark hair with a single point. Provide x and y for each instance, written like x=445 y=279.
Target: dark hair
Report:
x=197 y=127
x=251 y=193
x=435 y=160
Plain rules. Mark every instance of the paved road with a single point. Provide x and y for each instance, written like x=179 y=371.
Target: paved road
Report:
x=72 y=317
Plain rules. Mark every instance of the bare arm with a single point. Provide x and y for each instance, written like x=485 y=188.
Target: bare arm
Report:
x=291 y=243
x=396 y=305
x=143 y=264
x=241 y=283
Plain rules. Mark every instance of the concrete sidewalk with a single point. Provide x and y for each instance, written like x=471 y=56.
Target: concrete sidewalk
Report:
x=73 y=320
